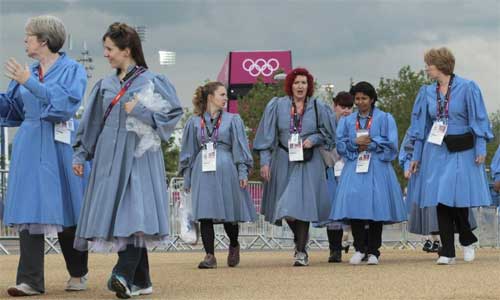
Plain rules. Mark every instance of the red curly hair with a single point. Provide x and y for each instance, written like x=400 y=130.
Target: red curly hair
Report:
x=290 y=78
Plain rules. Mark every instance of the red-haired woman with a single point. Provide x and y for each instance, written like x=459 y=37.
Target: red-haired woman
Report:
x=292 y=167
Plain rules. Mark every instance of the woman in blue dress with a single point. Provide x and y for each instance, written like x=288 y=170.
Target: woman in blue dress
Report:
x=126 y=201
x=368 y=192
x=295 y=187
x=451 y=128
x=42 y=99
x=217 y=183
x=495 y=174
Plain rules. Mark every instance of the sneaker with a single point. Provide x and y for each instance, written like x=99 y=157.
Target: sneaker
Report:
x=372 y=260
x=335 y=256
x=77 y=284
x=233 y=257
x=443 y=260
x=356 y=258
x=469 y=253
x=209 y=262
x=435 y=247
x=119 y=285
x=427 y=246
x=138 y=291
x=21 y=290
x=301 y=259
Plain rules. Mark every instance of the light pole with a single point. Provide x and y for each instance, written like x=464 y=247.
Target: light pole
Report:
x=86 y=60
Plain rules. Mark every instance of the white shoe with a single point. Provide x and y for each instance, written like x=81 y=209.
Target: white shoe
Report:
x=469 y=253
x=301 y=259
x=138 y=291
x=356 y=258
x=22 y=289
x=443 y=260
x=372 y=260
x=77 y=284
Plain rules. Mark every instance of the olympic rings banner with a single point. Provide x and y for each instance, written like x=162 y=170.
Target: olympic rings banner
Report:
x=246 y=67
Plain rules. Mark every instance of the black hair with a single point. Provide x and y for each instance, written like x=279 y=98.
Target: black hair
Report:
x=365 y=88
x=344 y=99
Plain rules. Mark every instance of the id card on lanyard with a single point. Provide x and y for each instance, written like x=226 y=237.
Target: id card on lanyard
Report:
x=364 y=157
x=209 y=152
x=295 y=150
x=440 y=126
x=338 y=167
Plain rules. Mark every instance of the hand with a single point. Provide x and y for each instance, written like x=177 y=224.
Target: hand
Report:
x=78 y=169
x=307 y=144
x=265 y=173
x=363 y=140
x=362 y=148
x=496 y=186
x=414 y=166
x=15 y=71
x=407 y=174
x=129 y=106
x=243 y=183
x=480 y=159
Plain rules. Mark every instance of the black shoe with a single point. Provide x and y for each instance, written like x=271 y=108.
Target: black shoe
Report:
x=335 y=256
x=365 y=258
x=435 y=247
x=346 y=248
x=427 y=246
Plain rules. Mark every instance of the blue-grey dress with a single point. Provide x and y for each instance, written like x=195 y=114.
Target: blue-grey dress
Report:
x=296 y=190
x=452 y=178
x=495 y=174
x=217 y=195
x=376 y=194
x=43 y=195
x=422 y=220
x=126 y=201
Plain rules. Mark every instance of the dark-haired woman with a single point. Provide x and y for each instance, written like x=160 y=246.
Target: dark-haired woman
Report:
x=287 y=140
x=368 y=192
x=215 y=160
x=126 y=202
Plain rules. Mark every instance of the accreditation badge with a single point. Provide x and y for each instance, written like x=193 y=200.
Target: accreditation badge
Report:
x=363 y=163
x=438 y=131
x=209 y=158
x=295 y=151
x=338 y=167
x=62 y=131
x=362 y=132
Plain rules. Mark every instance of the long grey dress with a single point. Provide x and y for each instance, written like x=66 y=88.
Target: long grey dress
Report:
x=217 y=195
x=296 y=190
x=126 y=201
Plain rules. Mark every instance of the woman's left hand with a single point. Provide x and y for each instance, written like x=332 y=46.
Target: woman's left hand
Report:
x=243 y=183
x=480 y=159
x=496 y=186
x=307 y=144
x=15 y=71
x=129 y=106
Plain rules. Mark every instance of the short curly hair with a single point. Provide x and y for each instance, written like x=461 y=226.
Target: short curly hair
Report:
x=442 y=58
x=290 y=78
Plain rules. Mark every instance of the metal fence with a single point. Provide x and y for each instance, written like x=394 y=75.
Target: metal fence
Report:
x=261 y=235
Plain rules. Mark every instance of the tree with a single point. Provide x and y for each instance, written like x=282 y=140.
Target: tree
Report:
x=492 y=146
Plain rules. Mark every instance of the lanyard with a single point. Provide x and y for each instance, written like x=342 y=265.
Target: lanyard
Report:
x=296 y=121
x=368 y=123
x=443 y=108
x=131 y=76
x=215 y=131
x=40 y=74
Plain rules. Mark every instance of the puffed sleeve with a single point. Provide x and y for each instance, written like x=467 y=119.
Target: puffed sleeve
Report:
x=478 y=118
x=386 y=144
x=90 y=127
x=163 y=121
x=406 y=152
x=60 y=99
x=11 y=106
x=346 y=146
x=267 y=133
x=495 y=166
x=242 y=156
x=326 y=134
x=189 y=150
x=419 y=123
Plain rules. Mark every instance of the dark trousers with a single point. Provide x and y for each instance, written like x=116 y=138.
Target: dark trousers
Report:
x=208 y=234
x=300 y=231
x=369 y=240
x=31 y=260
x=449 y=220
x=335 y=239
x=133 y=265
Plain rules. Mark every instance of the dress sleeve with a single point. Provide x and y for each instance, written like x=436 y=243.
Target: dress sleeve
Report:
x=346 y=146
x=419 y=123
x=189 y=150
x=11 y=106
x=386 y=144
x=242 y=156
x=267 y=133
x=478 y=118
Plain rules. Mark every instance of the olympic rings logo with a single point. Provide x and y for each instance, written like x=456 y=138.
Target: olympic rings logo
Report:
x=260 y=66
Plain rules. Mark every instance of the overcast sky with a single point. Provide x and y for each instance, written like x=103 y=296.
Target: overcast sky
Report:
x=335 y=40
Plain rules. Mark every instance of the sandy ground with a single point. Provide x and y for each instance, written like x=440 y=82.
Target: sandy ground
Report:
x=402 y=274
